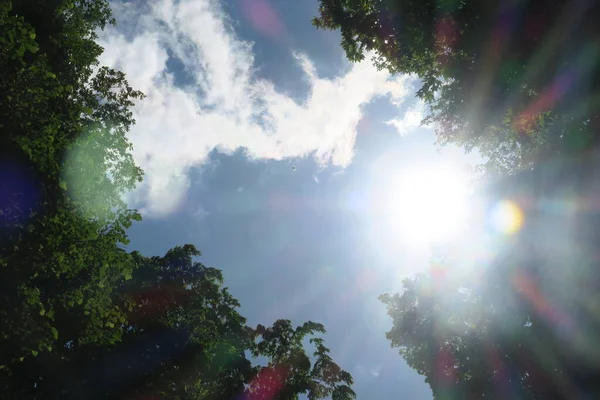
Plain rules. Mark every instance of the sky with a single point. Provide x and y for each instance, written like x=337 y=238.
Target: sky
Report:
x=264 y=147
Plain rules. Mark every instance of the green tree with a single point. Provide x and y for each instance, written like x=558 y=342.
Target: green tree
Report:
x=183 y=338
x=471 y=344
x=289 y=372
x=517 y=80
x=66 y=164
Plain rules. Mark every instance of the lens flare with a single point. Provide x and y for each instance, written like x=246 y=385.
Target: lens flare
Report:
x=507 y=217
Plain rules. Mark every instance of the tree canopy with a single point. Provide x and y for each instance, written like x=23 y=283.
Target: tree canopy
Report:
x=518 y=80
x=63 y=220
x=181 y=338
x=521 y=326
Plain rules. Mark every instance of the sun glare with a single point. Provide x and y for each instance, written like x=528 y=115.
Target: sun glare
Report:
x=506 y=217
x=427 y=205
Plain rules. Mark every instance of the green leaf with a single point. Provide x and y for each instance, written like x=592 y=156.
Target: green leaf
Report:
x=54 y=333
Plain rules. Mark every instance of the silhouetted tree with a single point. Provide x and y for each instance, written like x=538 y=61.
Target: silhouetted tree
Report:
x=521 y=322
x=515 y=79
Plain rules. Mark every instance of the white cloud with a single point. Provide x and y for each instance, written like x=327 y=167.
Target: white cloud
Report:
x=410 y=120
x=366 y=374
x=224 y=106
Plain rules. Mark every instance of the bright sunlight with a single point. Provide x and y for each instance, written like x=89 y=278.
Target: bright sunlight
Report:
x=426 y=204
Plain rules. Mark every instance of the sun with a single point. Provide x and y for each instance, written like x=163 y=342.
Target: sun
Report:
x=426 y=204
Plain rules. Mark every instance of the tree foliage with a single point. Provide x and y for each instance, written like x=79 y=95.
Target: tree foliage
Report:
x=60 y=236
x=517 y=80
x=81 y=316
x=181 y=338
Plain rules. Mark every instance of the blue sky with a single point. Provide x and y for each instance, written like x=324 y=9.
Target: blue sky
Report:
x=239 y=93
